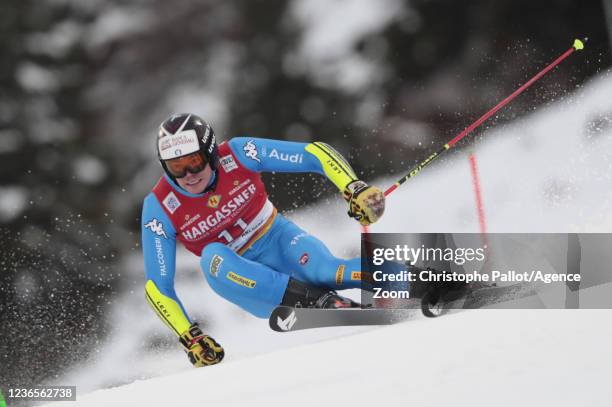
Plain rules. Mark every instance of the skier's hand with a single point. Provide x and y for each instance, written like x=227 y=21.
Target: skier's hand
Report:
x=366 y=203
x=202 y=350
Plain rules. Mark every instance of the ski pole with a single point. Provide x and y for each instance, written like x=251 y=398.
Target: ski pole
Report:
x=578 y=45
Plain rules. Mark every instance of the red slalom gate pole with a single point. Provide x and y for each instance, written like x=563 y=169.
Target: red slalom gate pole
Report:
x=578 y=45
x=478 y=194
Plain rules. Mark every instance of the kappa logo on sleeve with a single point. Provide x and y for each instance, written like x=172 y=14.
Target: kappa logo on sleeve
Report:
x=171 y=202
x=156 y=227
x=250 y=150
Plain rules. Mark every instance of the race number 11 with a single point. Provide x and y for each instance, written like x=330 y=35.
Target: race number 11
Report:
x=225 y=234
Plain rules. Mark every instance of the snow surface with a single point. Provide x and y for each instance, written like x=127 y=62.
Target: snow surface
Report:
x=548 y=172
x=483 y=357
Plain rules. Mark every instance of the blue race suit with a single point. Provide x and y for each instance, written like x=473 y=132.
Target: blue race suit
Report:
x=256 y=278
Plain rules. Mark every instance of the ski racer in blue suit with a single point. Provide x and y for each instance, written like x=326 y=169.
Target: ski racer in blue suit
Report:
x=211 y=199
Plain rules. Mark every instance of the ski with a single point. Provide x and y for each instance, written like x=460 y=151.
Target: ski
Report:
x=286 y=319
x=475 y=298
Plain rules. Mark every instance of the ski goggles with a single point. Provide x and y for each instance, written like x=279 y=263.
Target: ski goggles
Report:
x=193 y=163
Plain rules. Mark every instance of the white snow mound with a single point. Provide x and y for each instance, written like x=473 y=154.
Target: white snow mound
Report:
x=480 y=357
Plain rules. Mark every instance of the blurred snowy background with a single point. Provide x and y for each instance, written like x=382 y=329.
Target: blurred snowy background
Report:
x=85 y=83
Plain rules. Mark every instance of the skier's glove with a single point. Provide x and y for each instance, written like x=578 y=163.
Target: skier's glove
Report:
x=366 y=203
x=202 y=350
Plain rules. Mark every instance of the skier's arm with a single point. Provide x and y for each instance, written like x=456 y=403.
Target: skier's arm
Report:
x=266 y=155
x=366 y=203
x=159 y=250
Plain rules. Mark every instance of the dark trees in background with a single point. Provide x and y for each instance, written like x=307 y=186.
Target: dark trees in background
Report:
x=56 y=255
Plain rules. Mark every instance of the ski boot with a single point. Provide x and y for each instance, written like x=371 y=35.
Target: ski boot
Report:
x=303 y=295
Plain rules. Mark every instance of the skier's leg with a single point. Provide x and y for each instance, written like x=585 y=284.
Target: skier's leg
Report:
x=316 y=264
x=310 y=260
x=255 y=287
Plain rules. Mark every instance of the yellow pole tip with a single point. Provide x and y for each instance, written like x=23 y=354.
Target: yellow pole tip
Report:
x=578 y=45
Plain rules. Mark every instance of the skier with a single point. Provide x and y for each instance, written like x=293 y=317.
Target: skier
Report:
x=212 y=200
